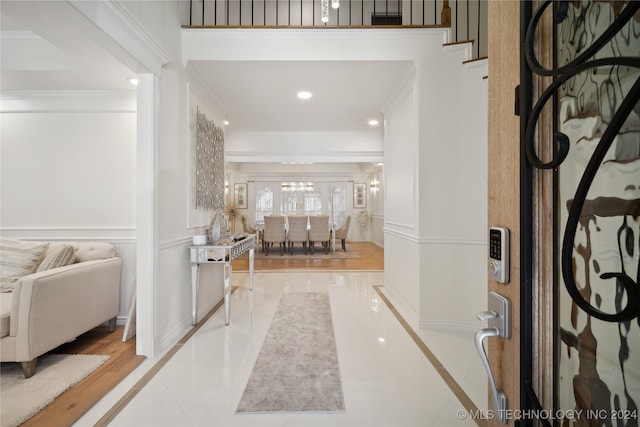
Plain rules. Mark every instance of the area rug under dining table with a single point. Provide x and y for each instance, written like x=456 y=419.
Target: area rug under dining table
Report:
x=298 y=253
x=297 y=368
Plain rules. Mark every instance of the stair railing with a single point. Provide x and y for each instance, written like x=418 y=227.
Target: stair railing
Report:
x=467 y=19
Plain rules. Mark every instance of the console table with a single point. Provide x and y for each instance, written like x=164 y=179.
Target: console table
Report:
x=219 y=253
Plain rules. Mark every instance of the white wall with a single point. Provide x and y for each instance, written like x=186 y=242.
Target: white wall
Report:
x=67 y=171
x=175 y=213
x=401 y=233
x=453 y=191
x=436 y=193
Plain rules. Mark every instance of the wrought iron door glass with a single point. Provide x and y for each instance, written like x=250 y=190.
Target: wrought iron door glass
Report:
x=596 y=90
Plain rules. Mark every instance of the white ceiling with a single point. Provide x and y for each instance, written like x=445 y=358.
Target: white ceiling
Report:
x=261 y=95
x=258 y=96
x=37 y=55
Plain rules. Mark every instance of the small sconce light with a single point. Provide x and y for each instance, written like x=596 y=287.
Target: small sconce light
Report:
x=226 y=187
x=375 y=186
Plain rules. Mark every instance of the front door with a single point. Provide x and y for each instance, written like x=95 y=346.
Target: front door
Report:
x=579 y=106
x=564 y=145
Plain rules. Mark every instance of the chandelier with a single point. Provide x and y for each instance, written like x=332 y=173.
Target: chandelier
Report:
x=324 y=7
x=296 y=186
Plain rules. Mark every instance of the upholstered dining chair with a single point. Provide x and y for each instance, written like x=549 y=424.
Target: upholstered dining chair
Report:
x=245 y=226
x=342 y=232
x=250 y=230
x=274 y=232
x=298 y=232
x=319 y=232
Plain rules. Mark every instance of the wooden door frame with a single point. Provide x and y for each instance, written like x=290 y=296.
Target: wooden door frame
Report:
x=503 y=186
x=508 y=188
x=538 y=225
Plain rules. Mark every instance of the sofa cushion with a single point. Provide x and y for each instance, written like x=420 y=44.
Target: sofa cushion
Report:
x=5 y=313
x=17 y=259
x=58 y=257
x=89 y=251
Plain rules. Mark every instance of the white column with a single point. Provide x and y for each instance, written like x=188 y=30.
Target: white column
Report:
x=146 y=213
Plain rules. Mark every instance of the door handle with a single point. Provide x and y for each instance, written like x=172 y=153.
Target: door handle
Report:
x=499 y=319
x=498 y=397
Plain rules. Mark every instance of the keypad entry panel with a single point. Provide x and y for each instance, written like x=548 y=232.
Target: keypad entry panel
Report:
x=499 y=254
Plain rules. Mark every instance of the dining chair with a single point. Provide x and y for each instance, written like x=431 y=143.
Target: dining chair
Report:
x=319 y=232
x=274 y=232
x=246 y=228
x=343 y=232
x=298 y=232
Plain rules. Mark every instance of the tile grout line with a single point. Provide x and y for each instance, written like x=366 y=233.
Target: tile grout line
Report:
x=112 y=413
x=439 y=367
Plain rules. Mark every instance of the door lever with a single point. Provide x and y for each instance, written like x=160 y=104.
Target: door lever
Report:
x=498 y=397
x=499 y=326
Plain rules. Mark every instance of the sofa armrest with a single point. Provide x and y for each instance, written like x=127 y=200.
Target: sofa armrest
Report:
x=55 y=306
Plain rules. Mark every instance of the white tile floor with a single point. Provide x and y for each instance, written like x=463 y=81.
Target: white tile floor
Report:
x=387 y=381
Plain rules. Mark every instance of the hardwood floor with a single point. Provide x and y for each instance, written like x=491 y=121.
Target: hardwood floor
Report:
x=72 y=404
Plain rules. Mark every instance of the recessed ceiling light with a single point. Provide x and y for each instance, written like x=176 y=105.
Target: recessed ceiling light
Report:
x=303 y=94
x=133 y=81
x=373 y=122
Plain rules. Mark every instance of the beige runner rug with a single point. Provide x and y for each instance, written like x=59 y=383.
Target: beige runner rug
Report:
x=297 y=369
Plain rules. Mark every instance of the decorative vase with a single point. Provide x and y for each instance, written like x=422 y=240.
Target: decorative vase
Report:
x=214 y=228
x=227 y=225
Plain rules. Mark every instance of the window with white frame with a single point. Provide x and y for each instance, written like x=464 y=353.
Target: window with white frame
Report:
x=313 y=202
x=264 y=200
x=292 y=202
x=338 y=210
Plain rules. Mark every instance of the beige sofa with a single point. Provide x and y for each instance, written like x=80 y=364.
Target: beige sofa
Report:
x=51 y=307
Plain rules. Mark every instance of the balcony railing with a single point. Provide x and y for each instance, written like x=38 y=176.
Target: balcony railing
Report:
x=466 y=18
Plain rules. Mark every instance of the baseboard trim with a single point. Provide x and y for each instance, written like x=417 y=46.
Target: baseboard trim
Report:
x=129 y=395
x=446 y=376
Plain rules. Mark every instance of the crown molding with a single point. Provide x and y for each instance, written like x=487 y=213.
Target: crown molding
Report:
x=116 y=22
x=58 y=101
x=197 y=82
x=21 y=36
x=254 y=156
